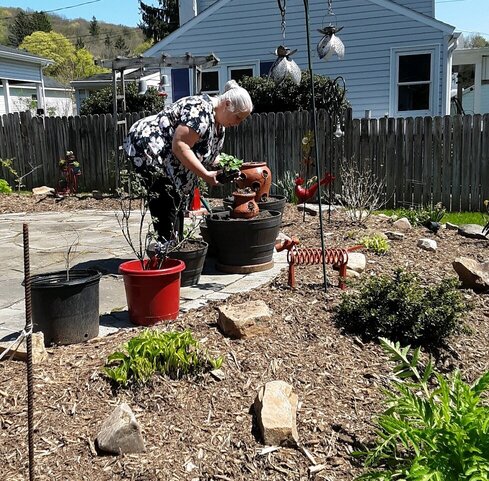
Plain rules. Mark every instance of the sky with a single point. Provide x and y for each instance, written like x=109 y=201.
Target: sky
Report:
x=468 y=16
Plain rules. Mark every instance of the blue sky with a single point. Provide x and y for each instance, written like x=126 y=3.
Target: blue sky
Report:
x=466 y=15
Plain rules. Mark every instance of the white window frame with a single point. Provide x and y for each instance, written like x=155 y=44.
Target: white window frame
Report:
x=213 y=92
x=241 y=67
x=434 y=100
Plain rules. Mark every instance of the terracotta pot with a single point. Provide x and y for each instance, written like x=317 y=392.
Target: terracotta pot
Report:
x=257 y=176
x=244 y=206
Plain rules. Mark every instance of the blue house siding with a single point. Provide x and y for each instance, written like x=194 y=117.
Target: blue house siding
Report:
x=15 y=70
x=246 y=32
x=426 y=7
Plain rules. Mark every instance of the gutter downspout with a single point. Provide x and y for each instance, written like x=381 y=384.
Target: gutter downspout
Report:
x=451 y=43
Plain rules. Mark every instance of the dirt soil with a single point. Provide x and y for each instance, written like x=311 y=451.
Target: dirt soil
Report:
x=202 y=429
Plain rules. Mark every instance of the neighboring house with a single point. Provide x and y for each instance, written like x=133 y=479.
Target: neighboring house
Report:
x=84 y=87
x=472 y=68
x=23 y=86
x=397 y=62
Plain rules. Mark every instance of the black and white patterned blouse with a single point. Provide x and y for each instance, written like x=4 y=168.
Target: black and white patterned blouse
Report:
x=149 y=142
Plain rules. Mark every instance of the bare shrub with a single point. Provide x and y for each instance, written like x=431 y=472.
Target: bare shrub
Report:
x=362 y=191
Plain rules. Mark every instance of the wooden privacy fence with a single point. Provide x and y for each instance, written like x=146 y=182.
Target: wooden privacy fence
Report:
x=422 y=160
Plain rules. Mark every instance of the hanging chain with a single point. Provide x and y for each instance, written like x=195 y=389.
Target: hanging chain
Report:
x=330 y=7
x=282 y=5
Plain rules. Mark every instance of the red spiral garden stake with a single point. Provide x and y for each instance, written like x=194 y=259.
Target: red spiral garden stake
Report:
x=310 y=256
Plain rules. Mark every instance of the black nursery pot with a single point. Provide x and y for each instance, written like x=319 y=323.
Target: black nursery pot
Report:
x=194 y=262
x=66 y=310
x=243 y=242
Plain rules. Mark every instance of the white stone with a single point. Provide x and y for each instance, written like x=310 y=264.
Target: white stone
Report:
x=356 y=262
x=472 y=274
x=392 y=235
x=427 y=244
x=120 y=432
x=39 y=353
x=402 y=224
x=276 y=411
x=244 y=320
x=44 y=190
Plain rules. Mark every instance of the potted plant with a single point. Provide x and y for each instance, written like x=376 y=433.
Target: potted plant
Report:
x=65 y=304
x=152 y=281
x=229 y=167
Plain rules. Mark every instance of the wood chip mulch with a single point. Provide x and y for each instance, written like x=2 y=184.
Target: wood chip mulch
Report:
x=203 y=429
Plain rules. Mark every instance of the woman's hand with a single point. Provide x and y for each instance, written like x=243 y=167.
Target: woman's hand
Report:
x=210 y=178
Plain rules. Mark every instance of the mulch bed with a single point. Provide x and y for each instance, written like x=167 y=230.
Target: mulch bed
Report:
x=202 y=429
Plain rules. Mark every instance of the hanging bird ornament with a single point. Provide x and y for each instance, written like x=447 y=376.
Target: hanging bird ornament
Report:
x=283 y=67
x=330 y=44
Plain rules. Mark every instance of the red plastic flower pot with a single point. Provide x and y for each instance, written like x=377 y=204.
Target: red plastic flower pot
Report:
x=152 y=296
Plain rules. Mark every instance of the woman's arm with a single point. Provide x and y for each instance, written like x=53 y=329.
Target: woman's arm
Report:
x=183 y=141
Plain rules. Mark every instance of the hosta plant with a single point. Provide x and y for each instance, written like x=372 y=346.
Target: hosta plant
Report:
x=434 y=428
x=376 y=243
x=172 y=353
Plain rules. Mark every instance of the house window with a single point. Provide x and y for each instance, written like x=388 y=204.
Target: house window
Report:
x=414 y=82
x=210 y=82
x=237 y=73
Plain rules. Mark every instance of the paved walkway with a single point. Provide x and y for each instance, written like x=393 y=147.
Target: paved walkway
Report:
x=100 y=245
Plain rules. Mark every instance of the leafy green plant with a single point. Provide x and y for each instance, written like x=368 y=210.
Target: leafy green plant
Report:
x=434 y=428
x=376 y=243
x=229 y=162
x=286 y=185
x=4 y=187
x=172 y=353
x=402 y=309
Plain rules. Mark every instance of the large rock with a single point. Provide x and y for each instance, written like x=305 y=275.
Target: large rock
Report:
x=356 y=262
x=276 y=412
x=243 y=320
x=427 y=244
x=472 y=274
x=44 y=190
x=39 y=353
x=473 y=231
x=402 y=224
x=120 y=433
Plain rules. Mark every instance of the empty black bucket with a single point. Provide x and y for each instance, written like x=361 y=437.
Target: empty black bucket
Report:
x=194 y=261
x=65 y=309
x=244 y=242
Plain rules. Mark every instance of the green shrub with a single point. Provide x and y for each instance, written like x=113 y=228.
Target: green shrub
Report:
x=421 y=216
x=100 y=102
x=4 y=187
x=376 y=243
x=402 y=309
x=434 y=427
x=175 y=354
x=267 y=97
x=286 y=186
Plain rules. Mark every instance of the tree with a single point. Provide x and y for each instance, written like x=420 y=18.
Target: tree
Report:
x=157 y=23
x=475 y=41
x=69 y=62
x=24 y=25
x=100 y=102
x=94 y=27
x=121 y=46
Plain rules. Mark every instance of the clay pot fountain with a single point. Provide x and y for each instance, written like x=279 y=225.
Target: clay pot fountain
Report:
x=244 y=204
x=258 y=177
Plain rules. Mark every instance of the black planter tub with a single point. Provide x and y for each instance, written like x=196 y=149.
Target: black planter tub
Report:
x=66 y=310
x=194 y=262
x=243 y=245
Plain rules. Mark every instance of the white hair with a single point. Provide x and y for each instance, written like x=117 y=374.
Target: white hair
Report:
x=239 y=98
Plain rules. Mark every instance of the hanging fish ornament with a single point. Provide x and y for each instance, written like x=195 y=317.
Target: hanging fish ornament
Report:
x=330 y=44
x=283 y=67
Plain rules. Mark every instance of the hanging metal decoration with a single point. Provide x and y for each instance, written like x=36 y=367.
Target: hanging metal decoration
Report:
x=330 y=44
x=284 y=67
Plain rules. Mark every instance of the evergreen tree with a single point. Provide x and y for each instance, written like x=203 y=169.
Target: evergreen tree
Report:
x=157 y=23
x=79 y=43
x=24 y=25
x=94 y=27
x=121 y=46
